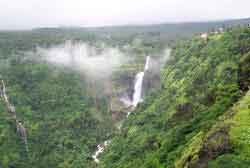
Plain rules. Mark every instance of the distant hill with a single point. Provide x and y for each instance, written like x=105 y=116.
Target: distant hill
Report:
x=199 y=117
x=167 y=27
x=163 y=32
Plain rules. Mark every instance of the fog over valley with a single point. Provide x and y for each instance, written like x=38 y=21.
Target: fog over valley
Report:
x=124 y=84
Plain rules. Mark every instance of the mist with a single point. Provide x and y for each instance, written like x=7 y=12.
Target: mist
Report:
x=96 y=62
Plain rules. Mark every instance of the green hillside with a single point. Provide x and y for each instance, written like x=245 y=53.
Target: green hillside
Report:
x=63 y=125
x=200 y=116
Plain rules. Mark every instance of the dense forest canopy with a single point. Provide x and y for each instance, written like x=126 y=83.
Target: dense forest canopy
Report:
x=197 y=117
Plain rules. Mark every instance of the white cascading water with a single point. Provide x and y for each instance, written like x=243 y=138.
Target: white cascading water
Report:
x=138 y=88
x=100 y=150
x=137 y=98
x=147 y=63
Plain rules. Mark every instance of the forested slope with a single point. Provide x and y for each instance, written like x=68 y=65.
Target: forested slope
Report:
x=62 y=109
x=200 y=117
x=57 y=109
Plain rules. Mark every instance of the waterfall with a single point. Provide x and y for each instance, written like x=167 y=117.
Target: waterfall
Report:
x=138 y=88
x=12 y=111
x=147 y=63
x=100 y=150
x=137 y=96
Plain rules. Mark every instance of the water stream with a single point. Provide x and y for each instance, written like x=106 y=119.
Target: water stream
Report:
x=137 y=98
x=100 y=149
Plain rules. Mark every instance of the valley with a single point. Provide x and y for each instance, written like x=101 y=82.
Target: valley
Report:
x=122 y=97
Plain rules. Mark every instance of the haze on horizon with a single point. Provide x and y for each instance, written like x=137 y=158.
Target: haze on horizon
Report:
x=28 y=14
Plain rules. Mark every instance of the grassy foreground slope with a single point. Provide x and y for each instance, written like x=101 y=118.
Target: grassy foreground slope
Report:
x=200 y=117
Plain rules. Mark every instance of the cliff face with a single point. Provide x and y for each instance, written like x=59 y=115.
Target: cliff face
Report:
x=122 y=95
x=123 y=87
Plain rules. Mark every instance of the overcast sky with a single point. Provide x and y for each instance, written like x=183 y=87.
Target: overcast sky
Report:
x=26 y=14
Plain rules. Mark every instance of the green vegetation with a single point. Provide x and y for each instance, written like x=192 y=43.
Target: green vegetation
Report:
x=239 y=133
x=238 y=136
x=55 y=105
x=63 y=125
x=199 y=118
x=185 y=124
